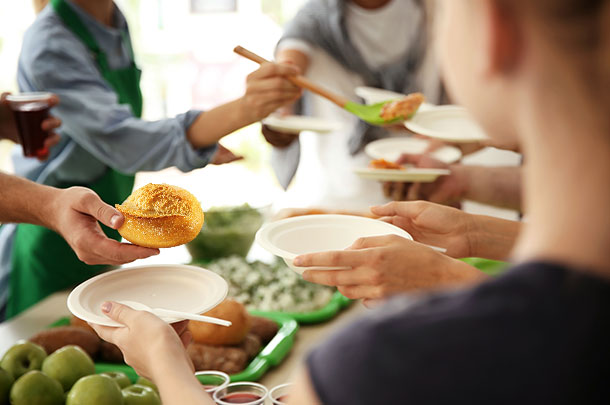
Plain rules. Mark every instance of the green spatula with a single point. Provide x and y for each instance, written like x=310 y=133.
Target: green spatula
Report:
x=368 y=113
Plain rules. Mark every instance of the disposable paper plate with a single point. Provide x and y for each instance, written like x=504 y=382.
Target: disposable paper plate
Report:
x=288 y=238
x=448 y=123
x=390 y=149
x=298 y=123
x=408 y=175
x=178 y=287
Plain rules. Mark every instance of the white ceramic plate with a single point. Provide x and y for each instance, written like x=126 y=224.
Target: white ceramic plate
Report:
x=409 y=175
x=288 y=238
x=298 y=123
x=448 y=123
x=390 y=149
x=178 y=287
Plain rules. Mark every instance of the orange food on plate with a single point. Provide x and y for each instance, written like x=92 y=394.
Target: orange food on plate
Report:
x=384 y=164
x=403 y=108
x=160 y=216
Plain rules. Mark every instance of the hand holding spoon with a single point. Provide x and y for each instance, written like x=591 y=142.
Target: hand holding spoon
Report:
x=373 y=114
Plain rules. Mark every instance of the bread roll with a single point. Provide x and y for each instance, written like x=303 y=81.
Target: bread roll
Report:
x=160 y=216
x=211 y=334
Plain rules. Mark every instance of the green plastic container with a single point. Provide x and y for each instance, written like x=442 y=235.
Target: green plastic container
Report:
x=271 y=355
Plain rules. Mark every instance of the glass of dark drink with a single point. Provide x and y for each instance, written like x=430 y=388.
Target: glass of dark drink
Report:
x=279 y=394
x=245 y=393
x=212 y=381
x=29 y=111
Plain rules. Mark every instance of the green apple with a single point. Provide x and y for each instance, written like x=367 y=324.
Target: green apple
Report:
x=67 y=365
x=23 y=357
x=95 y=389
x=6 y=381
x=148 y=383
x=120 y=378
x=140 y=395
x=36 y=388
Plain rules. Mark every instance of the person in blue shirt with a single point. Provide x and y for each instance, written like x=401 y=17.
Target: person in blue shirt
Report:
x=81 y=51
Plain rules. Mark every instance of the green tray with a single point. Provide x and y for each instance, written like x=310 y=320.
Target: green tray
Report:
x=336 y=304
x=490 y=267
x=271 y=355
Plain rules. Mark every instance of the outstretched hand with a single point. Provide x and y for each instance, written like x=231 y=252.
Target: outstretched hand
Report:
x=448 y=190
x=224 y=156
x=75 y=212
x=432 y=224
x=380 y=266
x=268 y=89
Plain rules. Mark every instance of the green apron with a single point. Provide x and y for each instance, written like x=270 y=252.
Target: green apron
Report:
x=42 y=261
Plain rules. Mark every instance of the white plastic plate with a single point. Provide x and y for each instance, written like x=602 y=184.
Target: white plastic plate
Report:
x=298 y=123
x=448 y=123
x=288 y=238
x=409 y=175
x=390 y=149
x=178 y=287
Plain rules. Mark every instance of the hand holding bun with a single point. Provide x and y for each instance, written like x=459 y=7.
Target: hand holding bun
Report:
x=160 y=216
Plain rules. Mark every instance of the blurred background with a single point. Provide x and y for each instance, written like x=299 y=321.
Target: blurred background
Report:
x=184 y=48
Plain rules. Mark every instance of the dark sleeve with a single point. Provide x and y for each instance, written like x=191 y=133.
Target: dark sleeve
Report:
x=379 y=359
x=425 y=352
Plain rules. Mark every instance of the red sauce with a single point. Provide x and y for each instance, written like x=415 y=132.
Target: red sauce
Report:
x=29 y=118
x=240 y=398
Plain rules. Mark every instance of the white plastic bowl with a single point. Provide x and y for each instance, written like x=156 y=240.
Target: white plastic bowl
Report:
x=288 y=238
x=178 y=287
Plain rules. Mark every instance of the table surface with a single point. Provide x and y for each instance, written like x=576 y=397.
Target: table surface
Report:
x=49 y=310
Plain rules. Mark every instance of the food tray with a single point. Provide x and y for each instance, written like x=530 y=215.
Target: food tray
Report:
x=271 y=355
x=337 y=303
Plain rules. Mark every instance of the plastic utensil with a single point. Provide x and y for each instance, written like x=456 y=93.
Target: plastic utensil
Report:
x=138 y=306
x=369 y=113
